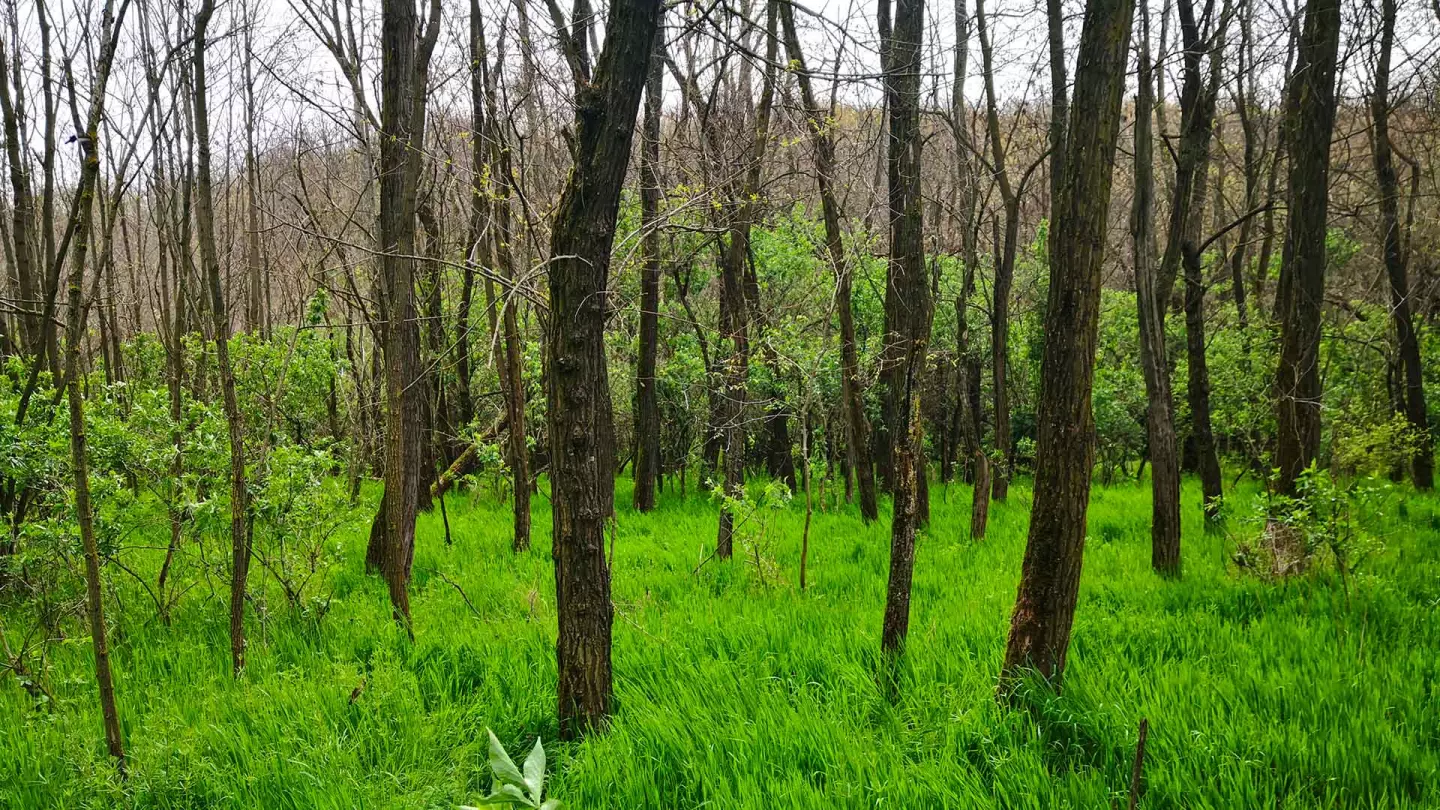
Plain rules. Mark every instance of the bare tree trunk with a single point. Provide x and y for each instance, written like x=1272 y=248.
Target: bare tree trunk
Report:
x=1422 y=464
x=581 y=427
x=858 y=446
x=736 y=329
x=1160 y=410
x=22 y=209
x=1004 y=271
x=1310 y=114
x=647 y=402
x=220 y=315
x=980 y=501
x=907 y=300
x=111 y=22
x=1050 y=576
x=509 y=354
x=405 y=59
x=255 y=298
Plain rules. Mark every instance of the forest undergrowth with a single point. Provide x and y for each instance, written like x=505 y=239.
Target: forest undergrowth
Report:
x=734 y=689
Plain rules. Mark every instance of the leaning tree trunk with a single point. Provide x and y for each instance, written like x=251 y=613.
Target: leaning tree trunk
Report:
x=1050 y=575
x=1310 y=114
x=74 y=340
x=220 y=319
x=908 y=301
x=1422 y=464
x=1160 y=410
x=581 y=424
x=853 y=404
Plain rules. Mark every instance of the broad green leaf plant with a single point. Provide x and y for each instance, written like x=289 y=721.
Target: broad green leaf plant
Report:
x=512 y=786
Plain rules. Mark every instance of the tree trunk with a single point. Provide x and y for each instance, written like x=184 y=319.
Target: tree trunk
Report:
x=1050 y=575
x=74 y=340
x=1004 y=272
x=1422 y=464
x=581 y=427
x=220 y=319
x=736 y=330
x=1160 y=409
x=907 y=301
x=1310 y=114
x=405 y=59
x=1198 y=384
x=647 y=402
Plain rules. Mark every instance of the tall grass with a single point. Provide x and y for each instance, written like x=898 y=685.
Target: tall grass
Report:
x=733 y=692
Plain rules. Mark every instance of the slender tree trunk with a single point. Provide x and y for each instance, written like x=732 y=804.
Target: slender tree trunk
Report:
x=1423 y=462
x=1004 y=272
x=907 y=300
x=1050 y=575
x=1198 y=383
x=1310 y=114
x=220 y=315
x=111 y=22
x=581 y=427
x=737 y=366
x=647 y=402
x=1160 y=412
x=509 y=357
x=22 y=210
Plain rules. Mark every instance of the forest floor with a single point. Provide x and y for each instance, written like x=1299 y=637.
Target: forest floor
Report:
x=734 y=689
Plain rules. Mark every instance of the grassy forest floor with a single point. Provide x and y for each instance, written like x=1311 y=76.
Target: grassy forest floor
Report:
x=736 y=690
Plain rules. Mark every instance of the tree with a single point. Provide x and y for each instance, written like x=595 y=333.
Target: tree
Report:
x=1309 y=124
x=743 y=209
x=1150 y=305
x=647 y=402
x=220 y=319
x=1065 y=450
x=1004 y=266
x=76 y=237
x=577 y=387
x=907 y=299
x=405 y=65
x=492 y=151
x=858 y=446
x=1422 y=463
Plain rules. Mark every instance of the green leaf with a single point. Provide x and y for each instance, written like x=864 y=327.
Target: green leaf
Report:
x=508 y=794
x=501 y=763
x=551 y=804
x=535 y=771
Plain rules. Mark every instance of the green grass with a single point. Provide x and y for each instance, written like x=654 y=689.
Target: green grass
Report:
x=731 y=693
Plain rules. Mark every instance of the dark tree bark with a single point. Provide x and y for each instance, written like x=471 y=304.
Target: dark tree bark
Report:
x=964 y=438
x=405 y=60
x=1310 y=122
x=220 y=321
x=735 y=308
x=1199 y=90
x=110 y=24
x=858 y=446
x=509 y=346
x=1004 y=272
x=647 y=402
x=1160 y=408
x=1050 y=576
x=1422 y=464
x=22 y=210
x=907 y=300
x=580 y=421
